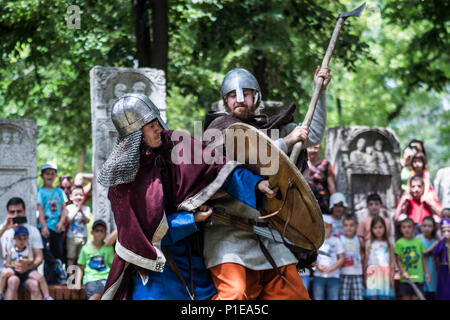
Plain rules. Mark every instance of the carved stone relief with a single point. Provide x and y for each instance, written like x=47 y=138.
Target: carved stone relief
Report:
x=366 y=160
x=18 y=164
x=108 y=84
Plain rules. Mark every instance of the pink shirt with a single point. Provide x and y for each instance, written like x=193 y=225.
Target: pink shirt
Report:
x=414 y=210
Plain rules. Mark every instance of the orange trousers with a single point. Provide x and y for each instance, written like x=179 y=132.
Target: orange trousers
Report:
x=236 y=282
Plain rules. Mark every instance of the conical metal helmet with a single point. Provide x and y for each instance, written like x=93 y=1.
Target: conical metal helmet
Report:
x=239 y=79
x=132 y=111
x=129 y=114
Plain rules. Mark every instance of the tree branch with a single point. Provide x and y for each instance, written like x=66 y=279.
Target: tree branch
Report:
x=394 y=114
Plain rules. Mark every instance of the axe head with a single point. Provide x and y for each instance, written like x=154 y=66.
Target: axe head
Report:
x=355 y=13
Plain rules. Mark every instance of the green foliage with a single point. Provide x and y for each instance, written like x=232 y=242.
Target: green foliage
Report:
x=289 y=36
x=428 y=22
x=390 y=66
x=398 y=86
x=426 y=119
x=45 y=70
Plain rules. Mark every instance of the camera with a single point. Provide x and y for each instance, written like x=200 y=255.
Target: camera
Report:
x=19 y=220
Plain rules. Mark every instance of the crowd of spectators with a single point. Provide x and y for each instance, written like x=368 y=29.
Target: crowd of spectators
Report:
x=402 y=255
x=399 y=256
x=59 y=241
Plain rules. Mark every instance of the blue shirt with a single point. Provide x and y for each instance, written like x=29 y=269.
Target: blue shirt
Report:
x=429 y=287
x=52 y=201
x=166 y=285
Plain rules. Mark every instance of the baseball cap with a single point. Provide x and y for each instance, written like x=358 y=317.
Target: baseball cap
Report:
x=20 y=231
x=98 y=222
x=336 y=198
x=49 y=165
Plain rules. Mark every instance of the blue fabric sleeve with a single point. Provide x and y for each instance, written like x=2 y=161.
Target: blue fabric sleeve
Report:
x=39 y=197
x=242 y=186
x=181 y=224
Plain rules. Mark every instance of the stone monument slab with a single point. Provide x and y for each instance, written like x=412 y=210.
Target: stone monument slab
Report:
x=18 y=165
x=366 y=160
x=108 y=84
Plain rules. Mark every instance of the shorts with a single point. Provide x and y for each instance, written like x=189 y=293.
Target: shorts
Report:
x=23 y=277
x=74 y=245
x=406 y=290
x=94 y=287
x=351 y=287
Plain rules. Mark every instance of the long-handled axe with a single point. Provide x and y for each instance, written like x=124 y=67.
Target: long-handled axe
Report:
x=312 y=105
x=416 y=289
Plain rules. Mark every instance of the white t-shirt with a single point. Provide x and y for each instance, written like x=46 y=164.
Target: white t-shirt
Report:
x=338 y=229
x=328 y=256
x=7 y=241
x=77 y=228
x=352 y=261
x=19 y=255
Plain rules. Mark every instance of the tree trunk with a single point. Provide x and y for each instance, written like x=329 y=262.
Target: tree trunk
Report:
x=142 y=32
x=339 y=108
x=160 y=32
x=260 y=72
x=82 y=161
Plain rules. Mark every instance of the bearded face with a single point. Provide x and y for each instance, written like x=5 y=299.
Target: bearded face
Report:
x=241 y=110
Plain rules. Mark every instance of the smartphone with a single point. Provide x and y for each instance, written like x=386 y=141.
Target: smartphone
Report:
x=19 y=220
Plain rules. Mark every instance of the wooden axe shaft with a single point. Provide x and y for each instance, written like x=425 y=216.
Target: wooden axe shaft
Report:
x=317 y=89
x=416 y=289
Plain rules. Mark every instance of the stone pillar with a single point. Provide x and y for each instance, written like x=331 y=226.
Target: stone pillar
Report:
x=108 y=84
x=366 y=160
x=18 y=165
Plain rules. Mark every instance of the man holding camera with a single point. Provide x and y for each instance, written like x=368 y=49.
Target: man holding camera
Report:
x=17 y=217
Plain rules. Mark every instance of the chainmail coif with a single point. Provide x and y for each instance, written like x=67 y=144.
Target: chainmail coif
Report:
x=122 y=164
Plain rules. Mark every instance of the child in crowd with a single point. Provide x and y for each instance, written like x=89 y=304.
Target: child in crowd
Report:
x=442 y=253
x=379 y=262
x=52 y=214
x=95 y=261
x=338 y=207
x=351 y=280
x=305 y=274
x=410 y=259
x=419 y=165
x=414 y=206
x=445 y=214
x=22 y=251
x=66 y=184
x=78 y=215
x=330 y=258
x=374 y=205
x=429 y=240
x=406 y=172
x=417 y=146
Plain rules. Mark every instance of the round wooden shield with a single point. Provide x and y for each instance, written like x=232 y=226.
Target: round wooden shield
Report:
x=294 y=211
